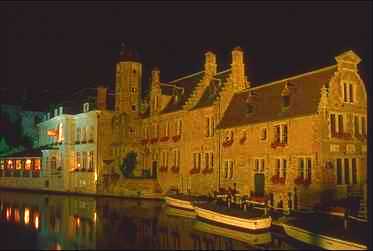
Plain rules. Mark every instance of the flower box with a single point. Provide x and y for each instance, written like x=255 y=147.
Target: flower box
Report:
x=163 y=169
x=342 y=135
x=153 y=140
x=207 y=170
x=144 y=141
x=243 y=140
x=175 y=169
x=227 y=143
x=278 y=180
x=276 y=144
x=164 y=139
x=176 y=138
x=194 y=171
x=302 y=181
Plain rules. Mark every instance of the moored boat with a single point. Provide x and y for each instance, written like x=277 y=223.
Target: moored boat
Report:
x=249 y=221
x=321 y=240
x=178 y=212
x=249 y=238
x=184 y=201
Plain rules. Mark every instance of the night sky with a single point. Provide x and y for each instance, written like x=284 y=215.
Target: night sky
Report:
x=55 y=49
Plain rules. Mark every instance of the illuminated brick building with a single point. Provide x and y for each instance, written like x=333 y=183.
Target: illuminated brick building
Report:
x=299 y=140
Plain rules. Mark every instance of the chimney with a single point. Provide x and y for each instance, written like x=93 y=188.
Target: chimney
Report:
x=210 y=63
x=238 y=70
x=101 y=98
x=155 y=76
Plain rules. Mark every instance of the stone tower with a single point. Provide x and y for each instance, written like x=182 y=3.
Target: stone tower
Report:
x=128 y=82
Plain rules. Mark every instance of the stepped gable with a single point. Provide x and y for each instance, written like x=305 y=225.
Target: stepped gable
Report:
x=267 y=100
x=188 y=83
x=213 y=90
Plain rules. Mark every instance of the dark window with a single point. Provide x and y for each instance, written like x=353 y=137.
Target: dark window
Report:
x=332 y=124
x=363 y=126
x=339 y=171
x=356 y=125
x=286 y=100
x=340 y=123
x=250 y=108
x=351 y=93
x=345 y=91
x=278 y=167
x=301 y=168
x=347 y=171
x=284 y=162
x=133 y=107
x=309 y=168
x=277 y=133
x=354 y=171
x=285 y=134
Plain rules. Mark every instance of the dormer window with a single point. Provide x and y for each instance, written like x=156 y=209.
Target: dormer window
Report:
x=55 y=112
x=61 y=110
x=249 y=108
x=86 y=107
x=48 y=115
x=286 y=101
x=348 y=92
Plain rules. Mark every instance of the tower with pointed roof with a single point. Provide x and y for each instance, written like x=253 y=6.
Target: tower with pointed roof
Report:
x=128 y=82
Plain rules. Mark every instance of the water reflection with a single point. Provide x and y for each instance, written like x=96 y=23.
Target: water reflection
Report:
x=72 y=222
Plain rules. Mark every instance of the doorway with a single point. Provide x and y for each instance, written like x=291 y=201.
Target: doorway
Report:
x=259 y=184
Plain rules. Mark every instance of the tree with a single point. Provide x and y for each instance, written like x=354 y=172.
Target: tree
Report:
x=129 y=164
x=4 y=148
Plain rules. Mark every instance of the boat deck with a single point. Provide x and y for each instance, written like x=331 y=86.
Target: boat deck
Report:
x=332 y=226
x=236 y=212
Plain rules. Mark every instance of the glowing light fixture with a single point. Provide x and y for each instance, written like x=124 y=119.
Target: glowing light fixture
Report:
x=27 y=216
x=36 y=222
x=94 y=217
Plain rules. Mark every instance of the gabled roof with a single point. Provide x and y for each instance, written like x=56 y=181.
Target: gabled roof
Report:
x=212 y=91
x=188 y=83
x=267 y=99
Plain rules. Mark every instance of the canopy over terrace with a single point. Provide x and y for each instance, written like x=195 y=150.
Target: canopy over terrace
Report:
x=21 y=164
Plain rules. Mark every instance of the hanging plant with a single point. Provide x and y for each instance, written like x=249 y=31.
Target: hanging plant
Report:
x=176 y=138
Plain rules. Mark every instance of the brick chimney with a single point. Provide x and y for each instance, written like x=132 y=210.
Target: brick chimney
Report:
x=101 y=100
x=238 y=70
x=156 y=76
x=210 y=63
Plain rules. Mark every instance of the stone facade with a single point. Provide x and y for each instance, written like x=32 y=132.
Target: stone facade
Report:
x=175 y=136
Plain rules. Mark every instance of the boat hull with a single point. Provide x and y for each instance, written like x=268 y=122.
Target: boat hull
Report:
x=250 y=238
x=248 y=224
x=320 y=240
x=178 y=212
x=183 y=204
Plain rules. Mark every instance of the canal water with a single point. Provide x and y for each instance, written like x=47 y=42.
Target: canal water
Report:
x=48 y=221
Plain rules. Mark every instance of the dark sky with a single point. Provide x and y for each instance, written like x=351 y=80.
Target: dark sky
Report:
x=60 y=48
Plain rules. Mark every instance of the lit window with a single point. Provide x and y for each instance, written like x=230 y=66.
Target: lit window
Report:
x=86 y=107
x=10 y=164
x=60 y=132
x=28 y=164
x=18 y=164
x=56 y=112
x=90 y=161
x=133 y=89
x=84 y=160
x=61 y=110
x=78 y=160
x=281 y=134
x=263 y=134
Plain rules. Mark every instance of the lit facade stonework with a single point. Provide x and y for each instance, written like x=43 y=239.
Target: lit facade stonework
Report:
x=297 y=140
